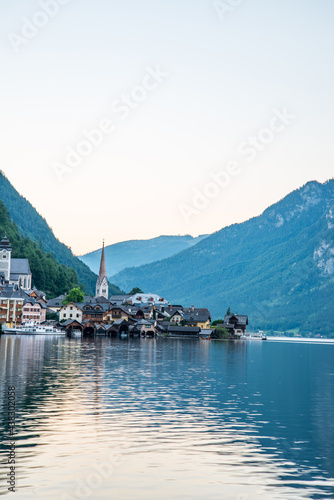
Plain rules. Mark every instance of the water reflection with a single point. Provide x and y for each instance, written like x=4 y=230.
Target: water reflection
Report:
x=175 y=419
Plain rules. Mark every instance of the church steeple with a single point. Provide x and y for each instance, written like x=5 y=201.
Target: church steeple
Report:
x=102 y=272
x=102 y=287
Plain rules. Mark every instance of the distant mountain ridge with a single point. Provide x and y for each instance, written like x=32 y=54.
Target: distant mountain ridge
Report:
x=32 y=225
x=278 y=267
x=135 y=253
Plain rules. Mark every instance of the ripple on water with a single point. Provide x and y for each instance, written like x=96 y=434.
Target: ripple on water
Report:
x=170 y=419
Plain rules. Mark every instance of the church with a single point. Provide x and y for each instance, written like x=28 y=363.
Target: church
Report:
x=102 y=287
x=13 y=271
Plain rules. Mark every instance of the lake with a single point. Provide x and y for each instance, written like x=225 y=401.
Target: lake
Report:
x=170 y=419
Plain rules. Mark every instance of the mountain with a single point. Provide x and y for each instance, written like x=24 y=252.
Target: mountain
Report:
x=138 y=252
x=35 y=227
x=48 y=275
x=278 y=267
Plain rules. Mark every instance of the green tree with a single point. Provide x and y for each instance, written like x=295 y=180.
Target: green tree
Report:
x=135 y=290
x=217 y=322
x=52 y=316
x=222 y=333
x=74 y=295
x=228 y=312
x=47 y=274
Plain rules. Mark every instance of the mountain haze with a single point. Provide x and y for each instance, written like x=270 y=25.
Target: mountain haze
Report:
x=135 y=253
x=278 y=267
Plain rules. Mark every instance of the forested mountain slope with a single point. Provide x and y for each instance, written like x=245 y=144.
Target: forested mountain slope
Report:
x=278 y=268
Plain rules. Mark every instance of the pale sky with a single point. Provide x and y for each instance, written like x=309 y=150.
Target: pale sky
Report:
x=203 y=79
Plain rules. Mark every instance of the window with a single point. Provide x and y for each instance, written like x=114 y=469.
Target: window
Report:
x=71 y=308
x=71 y=315
x=78 y=315
x=64 y=315
x=4 y=256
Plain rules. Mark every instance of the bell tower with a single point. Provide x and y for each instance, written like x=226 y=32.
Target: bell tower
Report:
x=102 y=287
x=5 y=258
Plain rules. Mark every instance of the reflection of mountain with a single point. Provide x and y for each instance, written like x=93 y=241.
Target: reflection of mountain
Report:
x=247 y=417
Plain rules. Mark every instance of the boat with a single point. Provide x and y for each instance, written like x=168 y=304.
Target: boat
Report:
x=76 y=333
x=33 y=329
x=253 y=336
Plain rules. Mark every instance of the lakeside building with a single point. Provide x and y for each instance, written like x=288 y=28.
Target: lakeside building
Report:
x=192 y=317
x=33 y=310
x=11 y=301
x=143 y=314
x=236 y=324
x=18 y=301
x=99 y=316
x=71 y=311
x=18 y=306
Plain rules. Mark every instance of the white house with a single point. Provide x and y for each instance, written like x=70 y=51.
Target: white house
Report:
x=71 y=311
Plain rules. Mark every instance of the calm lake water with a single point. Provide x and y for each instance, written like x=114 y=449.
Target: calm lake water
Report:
x=169 y=419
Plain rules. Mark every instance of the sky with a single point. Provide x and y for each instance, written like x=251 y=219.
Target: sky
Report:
x=131 y=119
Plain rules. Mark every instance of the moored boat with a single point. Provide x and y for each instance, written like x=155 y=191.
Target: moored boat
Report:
x=33 y=329
x=253 y=336
x=76 y=333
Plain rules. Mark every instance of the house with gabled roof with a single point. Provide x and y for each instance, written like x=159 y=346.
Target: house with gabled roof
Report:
x=192 y=317
x=236 y=324
x=95 y=311
x=71 y=311
x=177 y=316
x=115 y=313
x=34 y=310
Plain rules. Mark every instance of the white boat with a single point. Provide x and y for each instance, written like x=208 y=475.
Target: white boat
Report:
x=76 y=333
x=253 y=336
x=33 y=329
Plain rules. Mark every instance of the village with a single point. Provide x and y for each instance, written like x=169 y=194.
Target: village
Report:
x=137 y=314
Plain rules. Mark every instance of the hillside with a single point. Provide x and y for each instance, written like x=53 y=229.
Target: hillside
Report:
x=278 y=268
x=35 y=227
x=138 y=252
x=48 y=275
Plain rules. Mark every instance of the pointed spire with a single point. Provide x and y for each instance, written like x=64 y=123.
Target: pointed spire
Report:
x=103 y=271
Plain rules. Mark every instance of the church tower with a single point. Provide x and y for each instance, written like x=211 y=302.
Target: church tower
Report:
x=5 y=258
x=102 y=280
